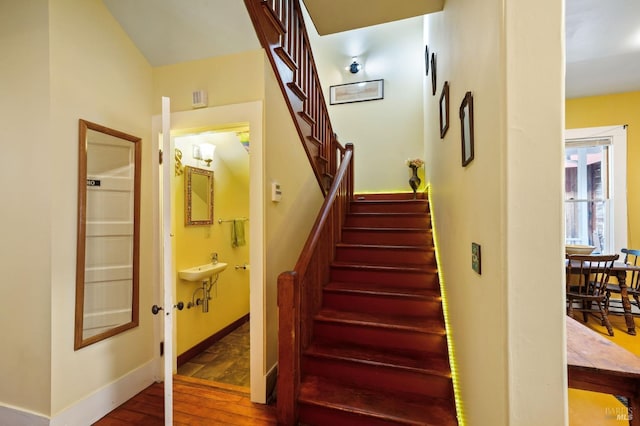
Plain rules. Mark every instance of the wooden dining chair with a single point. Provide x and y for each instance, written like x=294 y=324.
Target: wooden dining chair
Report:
x=631 y=257
x=587 y=278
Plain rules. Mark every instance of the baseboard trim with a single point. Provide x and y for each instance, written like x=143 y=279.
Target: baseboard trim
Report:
x=200 y=347
x=96 y=405
x=272 y=380
x=15 y=417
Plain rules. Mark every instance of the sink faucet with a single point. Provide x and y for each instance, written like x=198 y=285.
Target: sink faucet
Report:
x=214 y=258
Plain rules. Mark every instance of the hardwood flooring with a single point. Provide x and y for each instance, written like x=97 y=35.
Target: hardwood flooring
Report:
x=195 y=402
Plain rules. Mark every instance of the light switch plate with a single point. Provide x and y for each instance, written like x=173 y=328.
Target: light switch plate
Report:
x=476 y=260
x=276 y=192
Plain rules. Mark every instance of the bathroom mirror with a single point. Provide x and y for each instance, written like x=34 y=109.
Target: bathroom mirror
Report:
x=198 y=196
x=108 y=233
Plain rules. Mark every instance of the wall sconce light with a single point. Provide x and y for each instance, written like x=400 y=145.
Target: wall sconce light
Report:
x=354 y=67
x=204 y=152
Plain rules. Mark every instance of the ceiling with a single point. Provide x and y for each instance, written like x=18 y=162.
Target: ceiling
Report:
x=334 y=16
x=602 y=36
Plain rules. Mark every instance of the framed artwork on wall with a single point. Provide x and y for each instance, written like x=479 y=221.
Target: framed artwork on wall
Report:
x=466 y=122
x=433 y=74
x=444 y=110
x=426 y=59
x=357 y=92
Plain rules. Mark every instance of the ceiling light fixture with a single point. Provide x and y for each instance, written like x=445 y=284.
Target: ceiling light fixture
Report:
x=354 y=67
x=204 y=152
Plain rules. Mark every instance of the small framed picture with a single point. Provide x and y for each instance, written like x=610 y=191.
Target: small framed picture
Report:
x=466 y=122
x=357 y=92
x=476 y=260
x=444 y=110
x=433 y=74
x=426 y=59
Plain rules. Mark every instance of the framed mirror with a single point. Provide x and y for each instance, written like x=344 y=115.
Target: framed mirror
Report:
x=107 y=284
x=198 y=196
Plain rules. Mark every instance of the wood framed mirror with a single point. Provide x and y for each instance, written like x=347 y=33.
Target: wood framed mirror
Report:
x=108 y=247
x=198 y=196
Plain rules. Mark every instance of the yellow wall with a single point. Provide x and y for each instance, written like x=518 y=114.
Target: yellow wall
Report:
x=194 y=246
x=611 y=110
x=25 y=252
x=229 y=79
x=510 y=355
x=48 y=87
x=288 y=222
x=103 y=79
x=242 y=78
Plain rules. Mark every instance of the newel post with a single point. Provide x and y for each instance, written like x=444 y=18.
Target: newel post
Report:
x=288 y=348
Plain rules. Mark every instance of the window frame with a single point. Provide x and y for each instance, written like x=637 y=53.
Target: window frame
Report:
x=617 y=176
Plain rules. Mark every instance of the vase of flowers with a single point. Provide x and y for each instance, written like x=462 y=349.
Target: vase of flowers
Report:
x=414 y=180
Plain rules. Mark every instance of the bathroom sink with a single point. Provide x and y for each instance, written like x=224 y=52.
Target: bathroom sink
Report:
x=202 y=272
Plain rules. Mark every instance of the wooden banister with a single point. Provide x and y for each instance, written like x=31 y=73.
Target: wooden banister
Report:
x=300 y=290
x=281 y=30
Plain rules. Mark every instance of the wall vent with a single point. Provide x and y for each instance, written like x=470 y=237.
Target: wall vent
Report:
x=199 y=99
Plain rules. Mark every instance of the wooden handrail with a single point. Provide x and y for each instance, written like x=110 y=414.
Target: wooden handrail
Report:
x=300 y=290
x=281 y=30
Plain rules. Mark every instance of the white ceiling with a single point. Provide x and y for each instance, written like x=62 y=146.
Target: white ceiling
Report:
x=602 y=36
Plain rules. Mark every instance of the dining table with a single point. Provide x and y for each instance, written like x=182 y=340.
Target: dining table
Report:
x=597 y=364
x=619 y=272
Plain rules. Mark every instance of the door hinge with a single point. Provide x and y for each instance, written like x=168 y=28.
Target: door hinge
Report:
x=160 y=156
x=161 y=348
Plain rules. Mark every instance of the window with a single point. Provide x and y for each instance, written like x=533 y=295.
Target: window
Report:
x=595 y=188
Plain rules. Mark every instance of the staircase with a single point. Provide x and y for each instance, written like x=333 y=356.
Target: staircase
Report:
x=379 y=353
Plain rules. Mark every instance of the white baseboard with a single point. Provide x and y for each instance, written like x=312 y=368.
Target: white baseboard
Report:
x=96 y=405
x=15 y=417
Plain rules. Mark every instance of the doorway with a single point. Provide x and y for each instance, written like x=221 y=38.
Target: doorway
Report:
x=212 y=331
x=216 y=119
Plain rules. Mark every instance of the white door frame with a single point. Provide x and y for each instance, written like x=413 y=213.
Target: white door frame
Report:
x=252 y=113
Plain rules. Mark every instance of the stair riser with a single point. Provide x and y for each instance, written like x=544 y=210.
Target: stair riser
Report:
x=392 y=238
x=310 y=414
x=383 y=338
x=375 y=304
x=398 y=207
x=385 y=256
x=391 y=196
x=388 y=221
x=381 y=378
x=426 y=280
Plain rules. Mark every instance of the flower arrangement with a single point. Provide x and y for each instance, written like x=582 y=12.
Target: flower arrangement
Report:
x=415 y=162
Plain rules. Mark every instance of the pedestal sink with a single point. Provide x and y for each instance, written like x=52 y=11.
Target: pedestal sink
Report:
x=202 y=272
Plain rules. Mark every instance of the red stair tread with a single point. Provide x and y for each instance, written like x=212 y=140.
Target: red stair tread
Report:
x=402 y=409
x=399 y=215
x=409 y=323
x=381 y=268
x=389 y=196
x=417 y=362
x=385 y=247
x=389 y=201
x=384 y=290
x=386 y=229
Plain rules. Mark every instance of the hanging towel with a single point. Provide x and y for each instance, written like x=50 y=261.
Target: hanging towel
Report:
x=237 y=233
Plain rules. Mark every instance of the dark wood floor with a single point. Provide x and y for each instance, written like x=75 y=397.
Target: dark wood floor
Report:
x=195 y=402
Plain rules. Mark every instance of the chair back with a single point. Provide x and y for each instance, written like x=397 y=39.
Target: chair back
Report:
x=588 y=275
x=632 y=257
